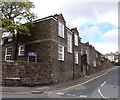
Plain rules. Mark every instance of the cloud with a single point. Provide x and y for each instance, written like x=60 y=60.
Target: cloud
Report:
x=91 y=12
x=110 y=39
x=78 y=22
x=105 y=47
x=90 y=33
x=111 y=36
x=111 y=17
x=77 y=12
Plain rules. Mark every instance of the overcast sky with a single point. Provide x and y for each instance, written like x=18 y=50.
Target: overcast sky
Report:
x=96 y=21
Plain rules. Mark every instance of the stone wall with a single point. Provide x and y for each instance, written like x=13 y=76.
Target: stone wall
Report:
x=30 y=73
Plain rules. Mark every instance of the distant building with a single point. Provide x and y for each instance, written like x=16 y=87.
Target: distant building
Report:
x=113 y=57
x=91 y=59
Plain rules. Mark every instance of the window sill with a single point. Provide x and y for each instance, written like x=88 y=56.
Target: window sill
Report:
x=75 y=64
x=21 y=55
x=61 y=37
x=9 y=60
x=61 y=60
x=75 y=45
x=69 y=52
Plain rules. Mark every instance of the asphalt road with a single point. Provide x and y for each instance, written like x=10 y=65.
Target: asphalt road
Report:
x=105 y=86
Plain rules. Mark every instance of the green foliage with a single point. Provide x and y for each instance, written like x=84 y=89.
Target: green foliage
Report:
x=17 y=16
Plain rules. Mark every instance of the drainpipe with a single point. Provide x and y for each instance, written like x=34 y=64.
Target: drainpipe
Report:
x=73 y=65
x=73 y=57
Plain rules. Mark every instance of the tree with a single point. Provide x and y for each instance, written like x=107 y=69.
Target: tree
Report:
x=16 y=19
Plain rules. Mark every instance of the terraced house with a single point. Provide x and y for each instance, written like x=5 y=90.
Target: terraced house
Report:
x=91 y=60
x=51 y=54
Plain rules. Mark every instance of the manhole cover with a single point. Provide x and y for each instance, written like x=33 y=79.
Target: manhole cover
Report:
x=114 y=87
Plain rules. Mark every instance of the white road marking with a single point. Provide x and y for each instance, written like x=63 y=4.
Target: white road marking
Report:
x=73 y=95
x=48 y=92
x=83 y=96
x=101 y=93
x=103 y=83
x=60 y=93
x=69 y=94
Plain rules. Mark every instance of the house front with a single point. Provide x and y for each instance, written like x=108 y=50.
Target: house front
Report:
x=51 y=54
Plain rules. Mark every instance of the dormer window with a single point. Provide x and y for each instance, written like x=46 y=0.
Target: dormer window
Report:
x=76 y=39
x=61 y=29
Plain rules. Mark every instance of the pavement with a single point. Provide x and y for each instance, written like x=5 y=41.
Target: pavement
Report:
x=54 y=87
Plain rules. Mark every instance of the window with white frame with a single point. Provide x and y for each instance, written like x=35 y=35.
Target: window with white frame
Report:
x=69 y=43
x=94 y=63
x=87 y=51
x=88 y=59
x=2 y=42
x=61 y=29
x=61 y=52
x=76 y=57
x=76 y=39
x=21 y=50
x=9 y=40
x=96 y=54
x=99 y=63
x=81 y=52
x=8 y=53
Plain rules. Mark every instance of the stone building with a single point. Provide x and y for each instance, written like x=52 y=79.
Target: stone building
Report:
x=91 y=60
x=51 y=54
x=90 y=53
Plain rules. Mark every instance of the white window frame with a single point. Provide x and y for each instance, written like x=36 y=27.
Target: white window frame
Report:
x=81 y=52
x=61 y=52
x=2 y=42
x=60 y=29
x=8 y=55
x=9 y=40
x=96 y=54
x=76 y=57
x=87 y=51
x=69 y=43
x=76 y=39
x=99 y=63
x=88 y=60
x=94 y=63
x=21 y=52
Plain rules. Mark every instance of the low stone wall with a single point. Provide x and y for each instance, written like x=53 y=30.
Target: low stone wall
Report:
x=25 y=74
x=18 y=73
x=104 y=65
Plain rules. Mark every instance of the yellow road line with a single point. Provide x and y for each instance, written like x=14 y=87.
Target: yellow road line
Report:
x=81 y=83
x=15 y=93
x=63 y=88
